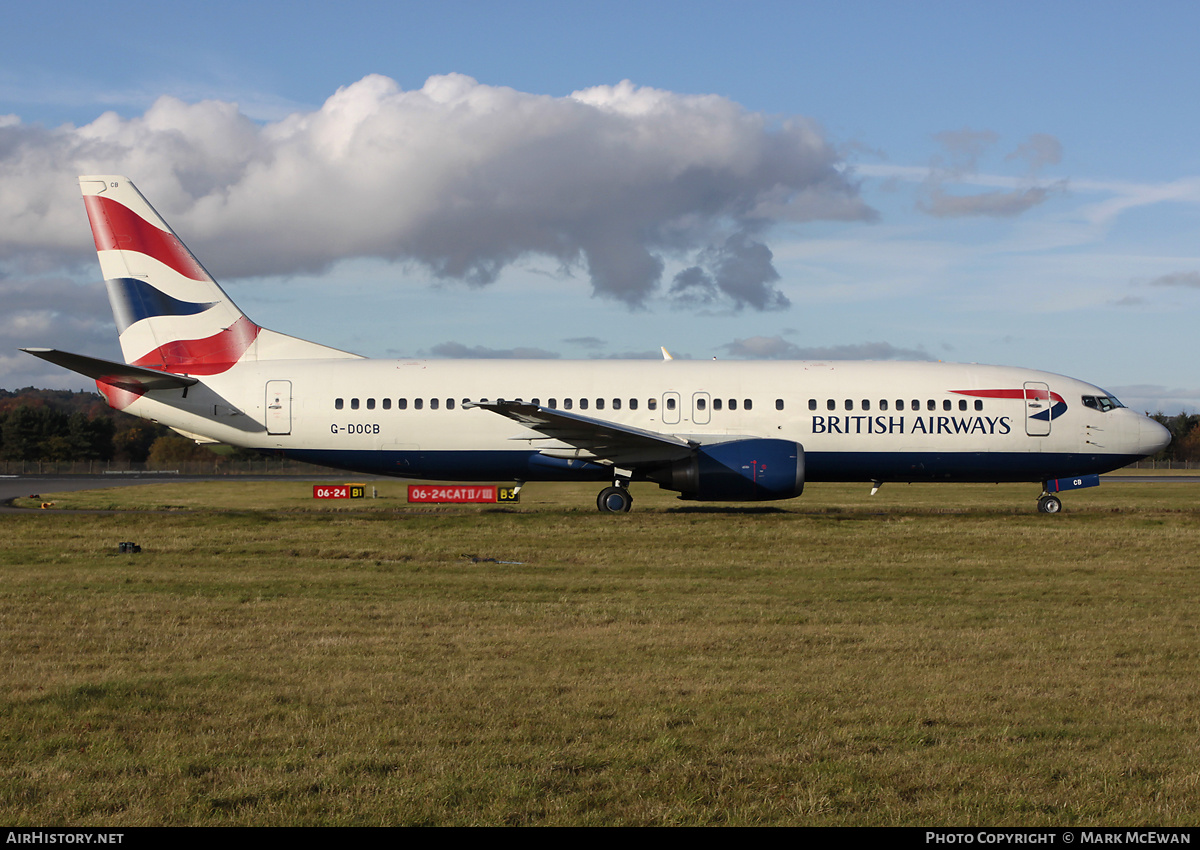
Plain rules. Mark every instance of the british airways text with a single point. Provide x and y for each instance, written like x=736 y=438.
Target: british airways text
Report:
x=911 y=425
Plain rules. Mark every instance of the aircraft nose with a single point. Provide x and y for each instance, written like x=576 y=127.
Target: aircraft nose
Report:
x=1152 y=437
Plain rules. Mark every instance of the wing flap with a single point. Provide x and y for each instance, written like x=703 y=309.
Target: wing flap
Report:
x=592 y=439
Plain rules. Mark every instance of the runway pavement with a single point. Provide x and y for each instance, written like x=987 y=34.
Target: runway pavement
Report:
x=19 y=486
x=1151 y=478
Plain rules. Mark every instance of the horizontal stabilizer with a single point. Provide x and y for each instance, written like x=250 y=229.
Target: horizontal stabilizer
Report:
x=116 y=374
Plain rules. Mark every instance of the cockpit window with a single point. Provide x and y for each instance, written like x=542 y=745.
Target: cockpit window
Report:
x=1103 y=403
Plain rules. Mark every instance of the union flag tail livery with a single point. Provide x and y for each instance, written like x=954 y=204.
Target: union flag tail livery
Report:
x=722 y=431
x=171 y=315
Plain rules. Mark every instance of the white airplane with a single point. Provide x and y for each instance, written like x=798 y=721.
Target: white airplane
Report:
x=725 y=431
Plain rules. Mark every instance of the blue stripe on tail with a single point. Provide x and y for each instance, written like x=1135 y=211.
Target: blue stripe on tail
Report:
x=133 y=300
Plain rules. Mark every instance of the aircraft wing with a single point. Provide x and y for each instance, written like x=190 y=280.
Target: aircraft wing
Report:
x=592 y=439
x=117 y=374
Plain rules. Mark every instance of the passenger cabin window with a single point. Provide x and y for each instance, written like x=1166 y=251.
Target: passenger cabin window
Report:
x=418 y=403
x=599 y=404
x=947 y=404
x=633 y=404
x=402 y=404
x=370 y=404
x=433 y=404
x=962 y=404
x=616 y=404
x=553 y=404
x=733 y=404
x=567 y=404
x=812 y=404
x=899 y=404
x=979 y=404
x=747 y=404
x=849 y=404
x=583 y=404
x=779 y=404
x=883 y=404
x=652 y=404
x=931 y=405
x=449 y=404
x=339 y=403
x=354 y=404
x=866 y=404
x=670 y=404
x=718 y=404
x=701 y=404
x=830 y=404
x=387 y=404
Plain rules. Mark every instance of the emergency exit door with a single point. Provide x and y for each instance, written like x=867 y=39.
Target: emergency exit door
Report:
x=279 y=407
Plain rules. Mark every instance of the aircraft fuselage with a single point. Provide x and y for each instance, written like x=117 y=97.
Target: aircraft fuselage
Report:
x=857 y=421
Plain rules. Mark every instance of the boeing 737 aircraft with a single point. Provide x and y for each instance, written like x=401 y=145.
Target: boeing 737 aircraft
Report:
x=725 y=431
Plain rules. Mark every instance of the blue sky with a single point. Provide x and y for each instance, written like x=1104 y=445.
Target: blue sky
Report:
x=1011 y=183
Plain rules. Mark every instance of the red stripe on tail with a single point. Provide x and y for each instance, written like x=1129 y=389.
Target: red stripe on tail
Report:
x=209 y=356
x=115 y=227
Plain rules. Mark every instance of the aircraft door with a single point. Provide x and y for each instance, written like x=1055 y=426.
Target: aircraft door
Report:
x=700 y=408
x=670 y=408
x=1037 y=409
x=279 y=407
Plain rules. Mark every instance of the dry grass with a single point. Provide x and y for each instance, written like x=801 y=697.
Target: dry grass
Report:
x=929 y=656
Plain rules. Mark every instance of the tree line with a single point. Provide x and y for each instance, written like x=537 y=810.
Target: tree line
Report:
x=67 y=426
x=1185 y=436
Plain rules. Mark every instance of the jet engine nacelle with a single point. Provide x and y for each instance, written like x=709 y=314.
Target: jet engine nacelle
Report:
x=740 y=470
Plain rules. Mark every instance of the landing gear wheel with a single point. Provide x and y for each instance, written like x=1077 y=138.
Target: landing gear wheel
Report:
x=1049 y=505
x=614 y=500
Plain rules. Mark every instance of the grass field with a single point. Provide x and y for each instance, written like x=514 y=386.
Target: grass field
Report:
x=933 y=655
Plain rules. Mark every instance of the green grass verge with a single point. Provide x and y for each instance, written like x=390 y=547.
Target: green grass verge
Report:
x=930 y=655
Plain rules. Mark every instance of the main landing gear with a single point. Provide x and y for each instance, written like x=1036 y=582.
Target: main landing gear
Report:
x=1048 y=504
x=615 y=499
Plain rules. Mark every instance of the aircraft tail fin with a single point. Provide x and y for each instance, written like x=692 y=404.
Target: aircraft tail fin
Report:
x=171 y=314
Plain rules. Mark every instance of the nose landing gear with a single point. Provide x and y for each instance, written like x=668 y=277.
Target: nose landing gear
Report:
x=1048 y=504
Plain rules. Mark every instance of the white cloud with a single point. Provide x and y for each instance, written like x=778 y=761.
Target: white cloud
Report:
x=963 y=150
x=1186 y=279
x=998 y=204
x=777 y=348
x=457 y=350
x=1040 y=150
x=462 y=177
